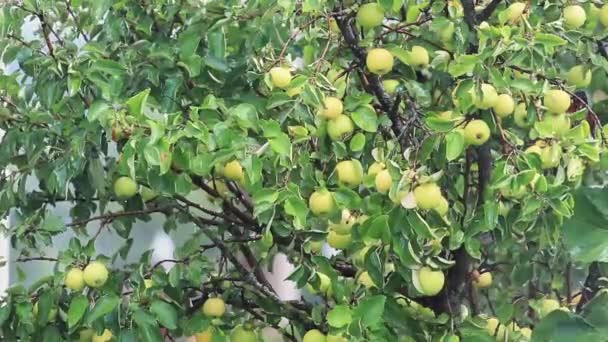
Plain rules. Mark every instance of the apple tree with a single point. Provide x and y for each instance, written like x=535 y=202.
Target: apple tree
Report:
x=432 y=169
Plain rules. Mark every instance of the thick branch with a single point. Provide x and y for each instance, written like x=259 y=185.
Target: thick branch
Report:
x=487 y=12
x=591 y=285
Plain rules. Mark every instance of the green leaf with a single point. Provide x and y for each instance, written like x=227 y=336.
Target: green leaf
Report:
x=463 y=64
x=596 y=312
x=366 y=118
x=104 y=306
x=370 y=310
x=561 y=326
x=585 y=233
x=78 y=307
x=137 y=103
x=454 y=145
x=98 y=111
x=281 y=144
x=357 y=142
x=165 y=314
x=246 y=115
x=548 y=40
x=340 y=316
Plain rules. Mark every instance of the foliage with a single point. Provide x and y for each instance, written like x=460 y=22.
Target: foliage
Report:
x=178 y=96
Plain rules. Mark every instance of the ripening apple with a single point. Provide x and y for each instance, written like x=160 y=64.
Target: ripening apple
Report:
x=375 y=168
x=125 y=187
x=504 y=105
x=214 y=307
x=321 y=202
x=205 y=336
x=534 y=149
x=550 y=156
x=106 y=336
x=147 y=194
x=476 y=132
x=390 y=86
x=560 y=123
x=340 y=127
x=516 y=11
x=383 y=181
x=379 y=61
x=547 y=306
x=603 y=15
x=280 y=77
x=579 y=77
x=443 y=207
x=520 y=116
x=345 y=226
x=350 y=172
x=491 y=325
x=338 y=241
x=483 y=281
x=233 y=170
x=419 y=57
x=427 y=195
x=243 y=334
x=431 y=282
x=74 y=279
x=95 y=274
x=525 y=331
x=556 y=101
x=332 y=107
x=488 y=98
x=314 y=335
x=574 y=16
x=336 y=338
x=370 y=15
x=315 y=246
x=365 y=280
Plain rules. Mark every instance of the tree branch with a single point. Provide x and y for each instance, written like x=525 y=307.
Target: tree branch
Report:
x=592 y=285
x=488 y=10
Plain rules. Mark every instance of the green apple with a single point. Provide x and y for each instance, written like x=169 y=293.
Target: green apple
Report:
x=443 y=207
x=242 y=334
x=233 y=170
x=504 y=105
x=204 y=336
x=280 y=77
x=488 y=98
x=483 y=281
x=147 y=194
x=579 y=77
x=390 y=86
x=214 y=307
x=476 y=132
x=518 y=193
x=515 y=12
x=125 y=187
x=370 y=15
x=340 y=127
x=446 y=35
x=74 y=279
x=574 y=16
x=315 y=246
x=314 y=335
x=106 y=336
x=379 y=61
x=338 y=241
x=375 y=168
x=418 y=57
x=350 y=172
x=51 y=315
x=534 y=149
x=560 y=123
x=431 y=282
x=547 y=306
x=95 y=274
x=321 y=202
x=527 y=332
x=427 y=195
x=383 y=181
x=550 y=156
x=520 y=116
x=345 y=226
x=336 y=338
x=332 y=107
x=556 y=101
x=603 y=15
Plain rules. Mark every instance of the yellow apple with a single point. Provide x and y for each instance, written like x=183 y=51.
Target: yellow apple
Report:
x=547 y=306
x=427 y=195
x=125 y=187
x=345 y=225
x=148 y=283
x=365 y=280
x=242 y=334
x=504 y=105
x=534 y=149
x=579 y=77
x=106 y=336
x=214 y=307
x=205 y=336
x=314 y=335
x=603 y=15
x=370 y=15
x=476 y=132
x=280 y=77
x=516 y=11
x=95 y=274
x=321 y=202
x=390 y=86
x=74 y=279
x=483 y=281
x=147 y=194
x=443 y=207
x=556 y=101
x=488 y=98
x=340 y=127
x=332 y=107
x=350 y=172
x=379 y=61
x=574 y=16
x=233 y=170
x=419 y=57
x=550 y=156
x=338 y=241
x=491 y=325
x=375 y=168
x=431 y=282
x=527 y=332
x=559 y=123
x=383 y=181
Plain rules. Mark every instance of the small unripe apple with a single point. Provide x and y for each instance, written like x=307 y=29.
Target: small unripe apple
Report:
x=443 y=207
x=321 y=202
x=125 y=188
x=559 y=123
x=242 y=334
x=431 y=282
x=390 y=86
x=534 y=149
x=419 y=57
x=491 y=327
x=365 y=280
x=147 y=194
x=234 y=171
x=332 y=107
x=427 y=195
x=550 y=156
x=333 y=25
x=515 y=11
x=547 y=306
x=379 y=61
x=315 y=246
x=488 y=98
x=214 y=307
x=483 y=281
x=375 y=168
x=556 y=101
x=338 y=241
x=74 y=279
x=314 y=335
x=383 y=181
x=504 y=105
x=574 y=16
x=95 y=274
x=280 y=77
x=527 y=332
x=603 y=15
x=205 y=336
x=336 y=338
x=370 y=15
x=476 y=132
x=340 y=127
x=106 y=336
x=350 y=172
x=579 y=77
x=520 y=116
